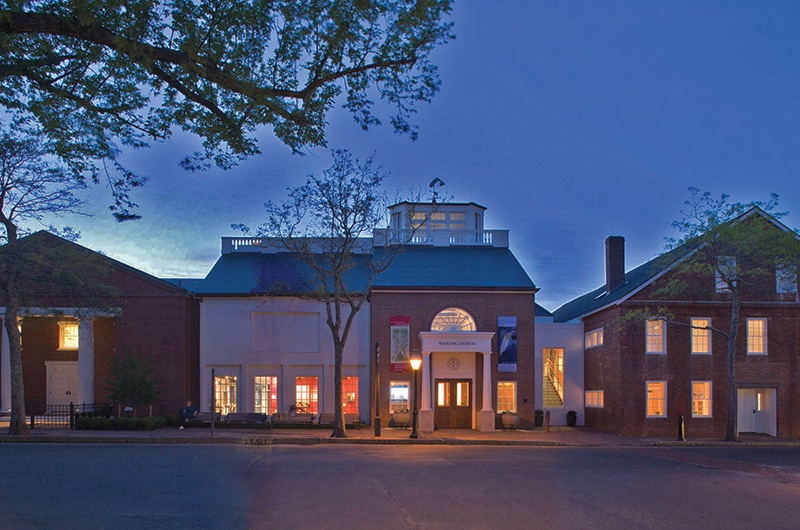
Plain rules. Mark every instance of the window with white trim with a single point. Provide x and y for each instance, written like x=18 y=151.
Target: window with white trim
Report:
x=594 y=399
x=701 y=399
x=724 y=273
x=507 y=396
x=398 y=395
x=701 y=335
x=655 y=336
x=350 y=394
x=593 y=338
x=756 y=336
x=656 y=397
x=306 y=394
x=785 y=278
x=68 y=335
x=453 y=319
x=265 y=394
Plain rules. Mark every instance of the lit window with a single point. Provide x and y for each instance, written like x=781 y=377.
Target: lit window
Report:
x=68 y=333
x=701 y=335
x=443 y=394
x=725 y=273
x=786 y=279
x=553 y=377
x=595 y=399
x=593 y=338
x=756 y=336
x=656 y=399
x=265 y=389
x=507 y=396
x=225 y=395
x=656 y=337
x=306 y=392
x=701 y=399
x=462 y=394
x=453 y=319
x=398 y=395
x=350 y=394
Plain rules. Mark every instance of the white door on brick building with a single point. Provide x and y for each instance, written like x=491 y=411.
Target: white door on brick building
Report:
x=757 y=411
x=62 y=382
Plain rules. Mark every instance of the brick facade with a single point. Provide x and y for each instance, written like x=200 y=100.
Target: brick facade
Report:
x=484 y=307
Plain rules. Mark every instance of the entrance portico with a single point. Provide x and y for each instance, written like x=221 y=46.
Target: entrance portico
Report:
x=450 y=356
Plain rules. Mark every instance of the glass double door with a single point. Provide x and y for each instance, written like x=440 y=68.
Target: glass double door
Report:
x=453 y=404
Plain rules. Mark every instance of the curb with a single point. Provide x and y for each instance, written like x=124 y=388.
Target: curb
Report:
x=313 y=440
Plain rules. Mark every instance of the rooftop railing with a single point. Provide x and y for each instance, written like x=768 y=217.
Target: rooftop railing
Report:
x=384 y=237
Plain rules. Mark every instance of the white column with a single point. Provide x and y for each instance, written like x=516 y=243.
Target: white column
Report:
x=426 y=422
x=426 y=380
x=487 y=381
x=486 y=415
x=5 y=373
x=85 y=362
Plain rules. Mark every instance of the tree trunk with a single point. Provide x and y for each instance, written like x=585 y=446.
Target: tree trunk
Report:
x=339 y=426
x=17 y=423
x=731 y=433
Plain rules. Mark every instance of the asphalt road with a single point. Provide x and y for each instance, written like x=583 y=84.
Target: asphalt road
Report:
x=396 y=486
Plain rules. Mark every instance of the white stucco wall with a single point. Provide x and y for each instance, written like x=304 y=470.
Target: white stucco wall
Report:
x=569 y=337
x=283 y=337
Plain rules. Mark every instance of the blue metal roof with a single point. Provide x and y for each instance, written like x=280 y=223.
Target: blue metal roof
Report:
x=416 y=267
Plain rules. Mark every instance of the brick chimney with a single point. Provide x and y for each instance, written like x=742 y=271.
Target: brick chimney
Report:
x=615 y=262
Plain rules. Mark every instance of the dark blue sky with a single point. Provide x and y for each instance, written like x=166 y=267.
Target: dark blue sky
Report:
x=569 y=121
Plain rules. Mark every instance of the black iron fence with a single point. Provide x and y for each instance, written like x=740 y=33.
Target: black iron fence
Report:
x=65 y=415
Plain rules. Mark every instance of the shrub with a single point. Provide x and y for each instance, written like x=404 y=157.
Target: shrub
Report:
x=125 y=424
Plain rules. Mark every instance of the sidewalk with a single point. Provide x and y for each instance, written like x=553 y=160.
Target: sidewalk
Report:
x=557 y=436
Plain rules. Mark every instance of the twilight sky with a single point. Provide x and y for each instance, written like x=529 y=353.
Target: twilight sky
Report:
x=569 y=121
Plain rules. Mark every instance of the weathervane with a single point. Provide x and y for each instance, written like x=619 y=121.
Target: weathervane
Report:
x=437 y=182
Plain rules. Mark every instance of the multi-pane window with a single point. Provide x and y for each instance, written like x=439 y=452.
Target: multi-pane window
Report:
x=306 y=392
x=350 y=394
x=225 y=393
x=593 y=338
x=507 y=396
x=453 y=319
x=701 y=399
x=68 y=332
x=553 y=377
x=701 y=335
x=398 y=395
x=265 y=394
x=724 y=273
x=656 y=399
x=756 y=336
x=785 y=279
x=595 y=399
x=655 y=334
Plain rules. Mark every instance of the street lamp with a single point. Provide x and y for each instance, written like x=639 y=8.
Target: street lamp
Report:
x=416 y=361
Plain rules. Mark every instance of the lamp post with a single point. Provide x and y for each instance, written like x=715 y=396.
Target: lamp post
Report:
x=416 y=361
x=377 y=420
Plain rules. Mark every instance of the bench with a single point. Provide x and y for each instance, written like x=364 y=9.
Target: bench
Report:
x=202 y=419
x=248 y=419
x=293 y=420
x=326 y=420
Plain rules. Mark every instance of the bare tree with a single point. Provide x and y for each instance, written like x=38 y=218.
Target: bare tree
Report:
x=31 y=187
x=327 y=223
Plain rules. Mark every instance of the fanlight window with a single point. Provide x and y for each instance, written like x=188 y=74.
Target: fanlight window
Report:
x=453 y=319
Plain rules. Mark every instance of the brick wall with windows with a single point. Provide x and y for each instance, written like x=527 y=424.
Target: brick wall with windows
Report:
x=621 y=367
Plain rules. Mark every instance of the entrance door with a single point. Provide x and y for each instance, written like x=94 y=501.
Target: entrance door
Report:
x=756 y=407
x=453 y=404
x=62 y=382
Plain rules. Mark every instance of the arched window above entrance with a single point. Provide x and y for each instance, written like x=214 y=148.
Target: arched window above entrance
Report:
x=453 y=319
